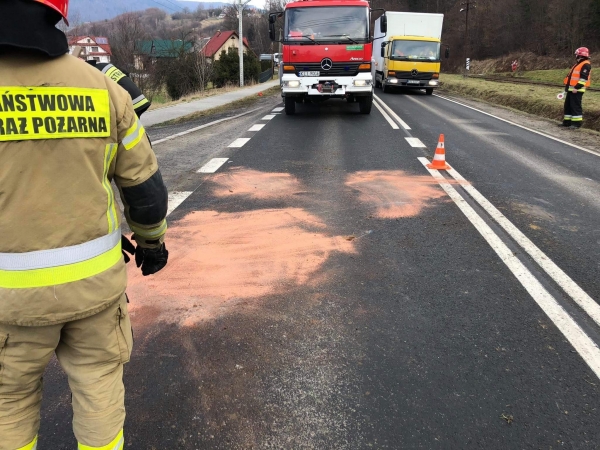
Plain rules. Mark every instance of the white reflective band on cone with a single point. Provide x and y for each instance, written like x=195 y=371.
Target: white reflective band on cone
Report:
x=43 y=259
x=439 y=157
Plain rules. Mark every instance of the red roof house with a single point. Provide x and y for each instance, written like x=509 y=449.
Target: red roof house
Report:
x=93 y=47
x=223 y=40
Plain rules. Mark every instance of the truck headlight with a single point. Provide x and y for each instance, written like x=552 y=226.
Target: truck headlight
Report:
x=292 y=83
x=362 y=82
x=433 y=83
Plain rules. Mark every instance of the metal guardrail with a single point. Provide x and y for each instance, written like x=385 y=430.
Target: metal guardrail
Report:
x=515 y=80
x=265 y=76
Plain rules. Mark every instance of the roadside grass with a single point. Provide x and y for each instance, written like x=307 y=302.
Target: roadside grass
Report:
x=538 y=100
x=238 y=104
x=162 y=100
x=554 y=76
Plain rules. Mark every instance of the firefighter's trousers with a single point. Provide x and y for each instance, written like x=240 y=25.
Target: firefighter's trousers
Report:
x=573 y=109
x=92 y=352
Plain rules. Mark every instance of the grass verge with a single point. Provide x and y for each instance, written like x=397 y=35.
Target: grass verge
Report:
x=238 y=104
x=538 y=100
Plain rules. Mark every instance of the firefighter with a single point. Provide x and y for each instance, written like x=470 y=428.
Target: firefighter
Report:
x=66 y=132
x=140 y=102
x=576 y=82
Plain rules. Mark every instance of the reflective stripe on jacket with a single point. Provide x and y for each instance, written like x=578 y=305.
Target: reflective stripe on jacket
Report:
x=66 y=132
x=575 y=78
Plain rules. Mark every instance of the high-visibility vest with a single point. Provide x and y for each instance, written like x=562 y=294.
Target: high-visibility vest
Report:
x=574 y=76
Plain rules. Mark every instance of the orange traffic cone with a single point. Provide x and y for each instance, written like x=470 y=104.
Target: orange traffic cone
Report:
x=260 y=94
x=439 y=159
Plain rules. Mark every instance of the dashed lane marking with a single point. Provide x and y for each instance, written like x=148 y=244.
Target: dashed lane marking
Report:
x=415 y=142
x=213 y=165
x=206 y=125
x=268 y=117
x=582 y=343
x=386 y=116
x=578 y=295
x=278 y=109
x=521 y=126
x=239 y=142
x=392 y=113
x=257 y=127
x=175 y=199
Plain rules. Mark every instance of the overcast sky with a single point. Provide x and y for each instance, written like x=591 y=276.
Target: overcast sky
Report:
x=257 y=3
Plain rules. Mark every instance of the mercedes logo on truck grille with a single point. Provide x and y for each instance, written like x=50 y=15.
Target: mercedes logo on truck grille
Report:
x=326 y=64
x=414 y=72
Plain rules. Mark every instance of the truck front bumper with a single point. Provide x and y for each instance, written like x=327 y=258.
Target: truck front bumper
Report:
x=358 y=86
x=417 y=84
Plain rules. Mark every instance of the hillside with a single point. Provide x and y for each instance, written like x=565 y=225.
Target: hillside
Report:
x=94 y=10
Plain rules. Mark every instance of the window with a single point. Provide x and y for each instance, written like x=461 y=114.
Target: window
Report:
x=89 y=41
x=95 y=50
x=415 y=50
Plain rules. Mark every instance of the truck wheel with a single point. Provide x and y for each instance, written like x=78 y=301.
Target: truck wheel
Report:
x=365 y=104
x=290 y=106
x=429 y=91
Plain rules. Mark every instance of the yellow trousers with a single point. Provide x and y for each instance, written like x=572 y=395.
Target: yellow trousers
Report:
x=91 y=351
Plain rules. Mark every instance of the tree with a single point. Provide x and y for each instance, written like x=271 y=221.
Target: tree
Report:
x=227 y=68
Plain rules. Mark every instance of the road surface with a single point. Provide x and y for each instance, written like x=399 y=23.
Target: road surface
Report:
x=326 y=291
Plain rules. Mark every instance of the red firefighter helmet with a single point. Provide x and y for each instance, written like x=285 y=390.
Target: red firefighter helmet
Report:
x=60 y=6
x=582 y=51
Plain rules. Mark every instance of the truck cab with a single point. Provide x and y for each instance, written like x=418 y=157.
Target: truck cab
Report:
x=410 y=62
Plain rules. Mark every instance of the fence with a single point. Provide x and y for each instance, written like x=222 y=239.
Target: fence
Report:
x=265 y=76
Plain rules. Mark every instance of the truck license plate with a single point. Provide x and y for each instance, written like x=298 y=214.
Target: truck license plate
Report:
x=414 y=82
x=309 y=74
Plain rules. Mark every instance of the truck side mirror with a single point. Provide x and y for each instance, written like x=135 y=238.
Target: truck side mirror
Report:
x=272 y=18
x=383 y=24
x=447 y=54
x=271 y=30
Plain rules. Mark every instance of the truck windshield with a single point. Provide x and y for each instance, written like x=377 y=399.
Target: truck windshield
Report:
x=415 y=50
x=346 y=24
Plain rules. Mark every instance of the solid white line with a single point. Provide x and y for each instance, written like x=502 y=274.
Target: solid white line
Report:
x=387 y=117
x=278 y=109
x=521 y=126
x=213 y=165
x=176 y=199
x=415 y=142
x=268 y=117
x=206 y=125
x=239 y=142
x=580 y=297
x=582 y=343
x=392 y=113
x=257 y=127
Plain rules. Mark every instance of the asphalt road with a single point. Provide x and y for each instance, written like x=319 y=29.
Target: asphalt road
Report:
x=324 y=291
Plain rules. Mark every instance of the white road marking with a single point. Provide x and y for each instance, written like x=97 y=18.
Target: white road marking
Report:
x=521 y=126
x=582 y=343
x=268 y=117
x=206 y=125
x=278 y=109
x=213 y=165
x=415 y=142
x=239 y=142
x=580 y=297
x=392 y=113
x=257 y=127
x=176 y=199
x=387 y=117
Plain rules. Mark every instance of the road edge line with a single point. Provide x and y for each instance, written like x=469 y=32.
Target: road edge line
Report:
x=206 y=125
x=582 y=343
x=579 y=296
x=592 y=152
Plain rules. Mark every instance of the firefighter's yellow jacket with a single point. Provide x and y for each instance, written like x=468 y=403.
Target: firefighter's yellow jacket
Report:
x=66 y=132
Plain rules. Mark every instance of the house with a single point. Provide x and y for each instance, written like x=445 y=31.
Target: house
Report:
x=152 y=51
x=223 y=40
x=92 y=47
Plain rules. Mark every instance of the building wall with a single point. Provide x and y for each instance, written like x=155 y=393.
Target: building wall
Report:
x=232 y=42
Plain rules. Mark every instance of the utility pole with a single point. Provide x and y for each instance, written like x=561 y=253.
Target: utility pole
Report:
x=467 y=5
x=240 y=7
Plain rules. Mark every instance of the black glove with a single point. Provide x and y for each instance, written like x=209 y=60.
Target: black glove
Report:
x=127 y=246
x=151 y=259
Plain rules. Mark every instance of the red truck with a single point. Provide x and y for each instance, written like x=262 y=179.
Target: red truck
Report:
x=327 y=48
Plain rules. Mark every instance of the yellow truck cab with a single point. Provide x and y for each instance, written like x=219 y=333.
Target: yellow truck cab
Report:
x=409 y=60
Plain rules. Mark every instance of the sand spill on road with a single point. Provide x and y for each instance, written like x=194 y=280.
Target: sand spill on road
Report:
x=218 y=260
x=394 y=193
x=243 y=182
